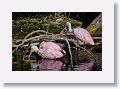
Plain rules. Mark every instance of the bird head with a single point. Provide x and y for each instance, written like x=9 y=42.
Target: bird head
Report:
x=68 y=26
x=33 y=49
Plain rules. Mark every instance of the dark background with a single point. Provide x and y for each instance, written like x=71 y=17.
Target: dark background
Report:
x=85 y=17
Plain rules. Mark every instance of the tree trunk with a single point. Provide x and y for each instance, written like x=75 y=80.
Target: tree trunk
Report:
x=95 y=25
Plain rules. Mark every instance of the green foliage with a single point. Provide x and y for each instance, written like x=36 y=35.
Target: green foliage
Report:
x=18 y=55
x=75 y=23
x=56 y=28
x=20 y=28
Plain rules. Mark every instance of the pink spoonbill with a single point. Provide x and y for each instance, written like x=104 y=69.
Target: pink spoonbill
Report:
x=81 y=34
x=48 y=50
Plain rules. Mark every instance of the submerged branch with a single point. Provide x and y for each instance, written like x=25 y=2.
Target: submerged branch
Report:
x=71 y=59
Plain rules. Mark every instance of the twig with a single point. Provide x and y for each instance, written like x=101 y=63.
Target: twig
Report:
x=85 y=50
x=61 y=33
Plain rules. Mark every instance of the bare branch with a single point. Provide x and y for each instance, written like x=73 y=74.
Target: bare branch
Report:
x=37 y=31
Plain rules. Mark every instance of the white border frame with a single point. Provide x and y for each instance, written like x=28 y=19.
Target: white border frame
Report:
x=104 y=76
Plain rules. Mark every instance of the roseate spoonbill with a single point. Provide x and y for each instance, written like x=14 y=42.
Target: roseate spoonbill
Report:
x=48 y=50
x=81 y=34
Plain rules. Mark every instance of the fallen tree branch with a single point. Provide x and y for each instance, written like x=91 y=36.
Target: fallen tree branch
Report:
x=37 y=39
x=52 y=36
x=45 y=37
x=31 y=33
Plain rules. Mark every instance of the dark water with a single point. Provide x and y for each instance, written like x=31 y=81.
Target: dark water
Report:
x=78 y=57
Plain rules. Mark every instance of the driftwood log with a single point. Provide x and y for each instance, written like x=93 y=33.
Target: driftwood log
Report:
x=95 y=25
x=37 y=39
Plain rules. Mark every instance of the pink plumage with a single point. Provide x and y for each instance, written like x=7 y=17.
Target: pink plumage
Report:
x=83 y=35
x=51 y=45
x=50 y=50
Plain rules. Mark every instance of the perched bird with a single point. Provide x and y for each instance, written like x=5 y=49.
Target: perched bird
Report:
x=81 y=34
x=48 y=50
